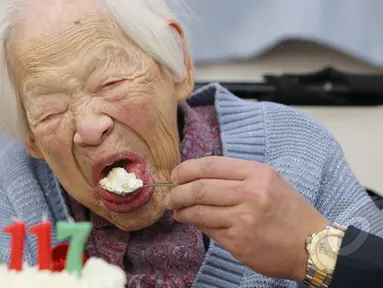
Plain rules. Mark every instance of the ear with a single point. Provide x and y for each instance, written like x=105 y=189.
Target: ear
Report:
x=32 y=148
x=186 y=84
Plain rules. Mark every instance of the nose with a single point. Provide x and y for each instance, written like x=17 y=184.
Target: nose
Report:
x=92 y=129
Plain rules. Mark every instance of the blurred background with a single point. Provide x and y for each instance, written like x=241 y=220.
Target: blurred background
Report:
x=252 y=47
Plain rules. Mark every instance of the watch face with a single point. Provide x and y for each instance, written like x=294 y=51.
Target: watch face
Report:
x=324 y=249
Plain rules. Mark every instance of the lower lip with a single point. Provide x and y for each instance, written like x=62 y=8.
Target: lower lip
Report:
x=124 y=204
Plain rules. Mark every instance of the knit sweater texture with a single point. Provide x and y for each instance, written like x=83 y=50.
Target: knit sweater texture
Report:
x=299 y=148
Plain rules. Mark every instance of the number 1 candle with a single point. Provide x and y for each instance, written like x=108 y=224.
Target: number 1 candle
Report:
x=43 y=233
x=17 y=231
x=78 y=233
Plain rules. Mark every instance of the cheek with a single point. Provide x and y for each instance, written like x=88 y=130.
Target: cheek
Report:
x=56 y=148
x=139 y=115
x=55 y=144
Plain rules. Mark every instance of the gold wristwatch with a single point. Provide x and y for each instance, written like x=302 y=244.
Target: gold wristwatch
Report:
x=323 y=249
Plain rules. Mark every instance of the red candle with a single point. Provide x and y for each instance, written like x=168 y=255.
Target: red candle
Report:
x=17 y=231
x=43 y=233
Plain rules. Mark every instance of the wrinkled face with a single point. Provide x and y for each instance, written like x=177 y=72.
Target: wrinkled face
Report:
x=94 y=99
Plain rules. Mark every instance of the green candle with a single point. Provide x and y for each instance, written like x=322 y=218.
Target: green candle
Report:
x=78 y=233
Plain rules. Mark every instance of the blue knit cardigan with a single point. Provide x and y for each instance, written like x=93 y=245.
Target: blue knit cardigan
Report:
x=301 y=150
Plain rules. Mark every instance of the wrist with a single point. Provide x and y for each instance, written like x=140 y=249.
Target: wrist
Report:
x=300 y=272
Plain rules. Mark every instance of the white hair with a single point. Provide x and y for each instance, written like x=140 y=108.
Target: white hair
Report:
x=144 y=21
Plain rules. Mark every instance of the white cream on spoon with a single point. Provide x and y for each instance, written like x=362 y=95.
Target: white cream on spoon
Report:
x=120 y=182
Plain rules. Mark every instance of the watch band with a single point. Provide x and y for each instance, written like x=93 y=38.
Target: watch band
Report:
x=315 y=278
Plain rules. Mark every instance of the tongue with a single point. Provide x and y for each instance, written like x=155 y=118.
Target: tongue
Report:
x=136 y=168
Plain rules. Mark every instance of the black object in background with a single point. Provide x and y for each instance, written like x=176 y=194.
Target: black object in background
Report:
x=328 y=87
x=378 y=200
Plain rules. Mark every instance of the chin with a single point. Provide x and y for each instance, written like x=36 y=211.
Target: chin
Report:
x=141 y=218
x=138 y=225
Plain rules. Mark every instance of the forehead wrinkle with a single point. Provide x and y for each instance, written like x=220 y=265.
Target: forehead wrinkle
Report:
x=69 y=47
x=68 y=44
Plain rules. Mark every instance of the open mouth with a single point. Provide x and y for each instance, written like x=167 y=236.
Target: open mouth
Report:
x=129 y=166
x=118 y=164
x=119 y=181
x=127 y=202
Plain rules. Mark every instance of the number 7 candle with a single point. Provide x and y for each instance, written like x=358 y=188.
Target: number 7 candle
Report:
x=78 y=233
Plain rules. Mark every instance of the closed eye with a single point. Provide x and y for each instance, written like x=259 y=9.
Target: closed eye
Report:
x=50 y=117
x=112 y=84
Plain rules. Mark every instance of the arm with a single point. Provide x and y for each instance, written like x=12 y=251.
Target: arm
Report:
x=336 y=193
x=359 y=265
x=342 y=199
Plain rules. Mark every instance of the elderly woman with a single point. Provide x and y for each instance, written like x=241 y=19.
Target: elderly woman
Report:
x=89 y=85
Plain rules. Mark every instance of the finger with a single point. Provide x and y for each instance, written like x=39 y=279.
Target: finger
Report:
x=206 y=216
x=205 y=192
x=214 y=167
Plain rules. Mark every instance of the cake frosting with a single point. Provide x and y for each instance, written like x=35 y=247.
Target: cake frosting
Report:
x=96 y=273
x=121 y=182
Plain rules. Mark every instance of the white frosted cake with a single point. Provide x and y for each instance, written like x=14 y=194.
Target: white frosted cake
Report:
x=96 y=274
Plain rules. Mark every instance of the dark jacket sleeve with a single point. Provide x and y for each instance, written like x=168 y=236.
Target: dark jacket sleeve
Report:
x=360 y=261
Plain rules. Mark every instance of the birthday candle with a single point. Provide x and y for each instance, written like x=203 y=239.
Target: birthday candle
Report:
x=17 y=231
x=43 y=233
x=78 y=233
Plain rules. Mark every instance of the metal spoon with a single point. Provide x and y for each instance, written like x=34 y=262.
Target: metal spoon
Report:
x=170 y=185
